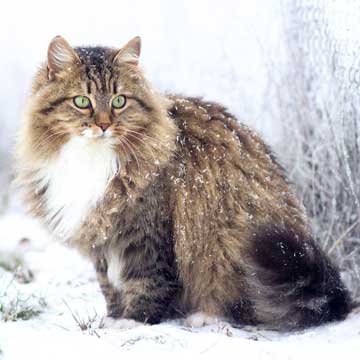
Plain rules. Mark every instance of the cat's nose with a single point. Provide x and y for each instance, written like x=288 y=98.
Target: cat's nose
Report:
x=104 y=126
x=103 y=120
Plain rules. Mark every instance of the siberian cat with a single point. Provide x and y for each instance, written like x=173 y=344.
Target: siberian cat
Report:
x=183 y=211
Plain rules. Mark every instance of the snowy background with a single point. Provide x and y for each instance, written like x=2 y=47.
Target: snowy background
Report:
x=290 y=69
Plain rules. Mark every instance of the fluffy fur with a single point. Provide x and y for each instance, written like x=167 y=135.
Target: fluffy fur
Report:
x=183 y=210
x=76 y=181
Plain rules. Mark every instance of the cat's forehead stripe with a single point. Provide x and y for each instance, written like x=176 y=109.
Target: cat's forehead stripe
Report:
x=115 y=87
x=88 y=87
x=97 y=61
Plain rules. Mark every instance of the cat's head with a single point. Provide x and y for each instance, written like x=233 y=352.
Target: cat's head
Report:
x=98 y=94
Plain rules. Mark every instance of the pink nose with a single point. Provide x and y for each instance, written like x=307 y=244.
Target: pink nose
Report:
x=103 y=126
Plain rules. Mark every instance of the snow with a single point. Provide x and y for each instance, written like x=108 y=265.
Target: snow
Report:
x=68 y=285
x=224 y=52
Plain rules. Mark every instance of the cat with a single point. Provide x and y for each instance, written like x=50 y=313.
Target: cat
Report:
x=184 y=211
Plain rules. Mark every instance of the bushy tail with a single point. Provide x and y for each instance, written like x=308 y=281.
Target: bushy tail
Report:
x=292 y=283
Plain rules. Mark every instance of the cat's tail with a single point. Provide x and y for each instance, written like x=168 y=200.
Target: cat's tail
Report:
x=292 y=284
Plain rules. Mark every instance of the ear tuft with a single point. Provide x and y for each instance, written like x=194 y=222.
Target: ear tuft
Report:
x=61 y=56
x=130 y=53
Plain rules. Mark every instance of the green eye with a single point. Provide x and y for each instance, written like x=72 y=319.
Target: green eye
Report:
x=119 y=102
x=82 y=102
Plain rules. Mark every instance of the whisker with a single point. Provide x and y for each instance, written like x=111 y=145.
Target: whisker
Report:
x=142 y=141
x=156 y=142
x=46 y=140
x=148 y=140
x=123 y=149
x=133 y=152
x=142 y=133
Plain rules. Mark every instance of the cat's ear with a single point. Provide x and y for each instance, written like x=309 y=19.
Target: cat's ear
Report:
x=130 y=53
x=61 y=56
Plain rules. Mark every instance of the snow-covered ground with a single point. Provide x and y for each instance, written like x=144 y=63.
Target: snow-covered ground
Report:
x=63 y=287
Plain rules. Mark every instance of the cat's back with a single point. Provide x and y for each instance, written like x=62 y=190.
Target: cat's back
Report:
x=208 y=133
x=226 y=169
x=204 y=120
x=212 y=125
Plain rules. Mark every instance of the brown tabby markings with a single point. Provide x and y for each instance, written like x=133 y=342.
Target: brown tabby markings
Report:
x=194 y=190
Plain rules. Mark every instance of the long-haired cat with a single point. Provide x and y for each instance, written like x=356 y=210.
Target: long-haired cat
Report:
x=183 y=211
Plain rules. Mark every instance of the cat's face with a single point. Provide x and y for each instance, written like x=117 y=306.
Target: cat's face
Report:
x=97 y=94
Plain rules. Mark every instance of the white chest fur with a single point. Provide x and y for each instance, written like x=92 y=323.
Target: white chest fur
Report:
x=115 y=267
x=76 y=181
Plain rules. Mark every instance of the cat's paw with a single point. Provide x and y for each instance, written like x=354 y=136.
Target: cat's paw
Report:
x=200 y=319
x=112 y=323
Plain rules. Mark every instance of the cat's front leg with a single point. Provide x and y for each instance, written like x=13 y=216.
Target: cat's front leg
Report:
x=112 y=295
x=146 y=279
x=146 y=300
x=113 y=298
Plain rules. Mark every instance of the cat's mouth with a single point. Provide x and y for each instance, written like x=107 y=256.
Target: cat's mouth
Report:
x=97 y=133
